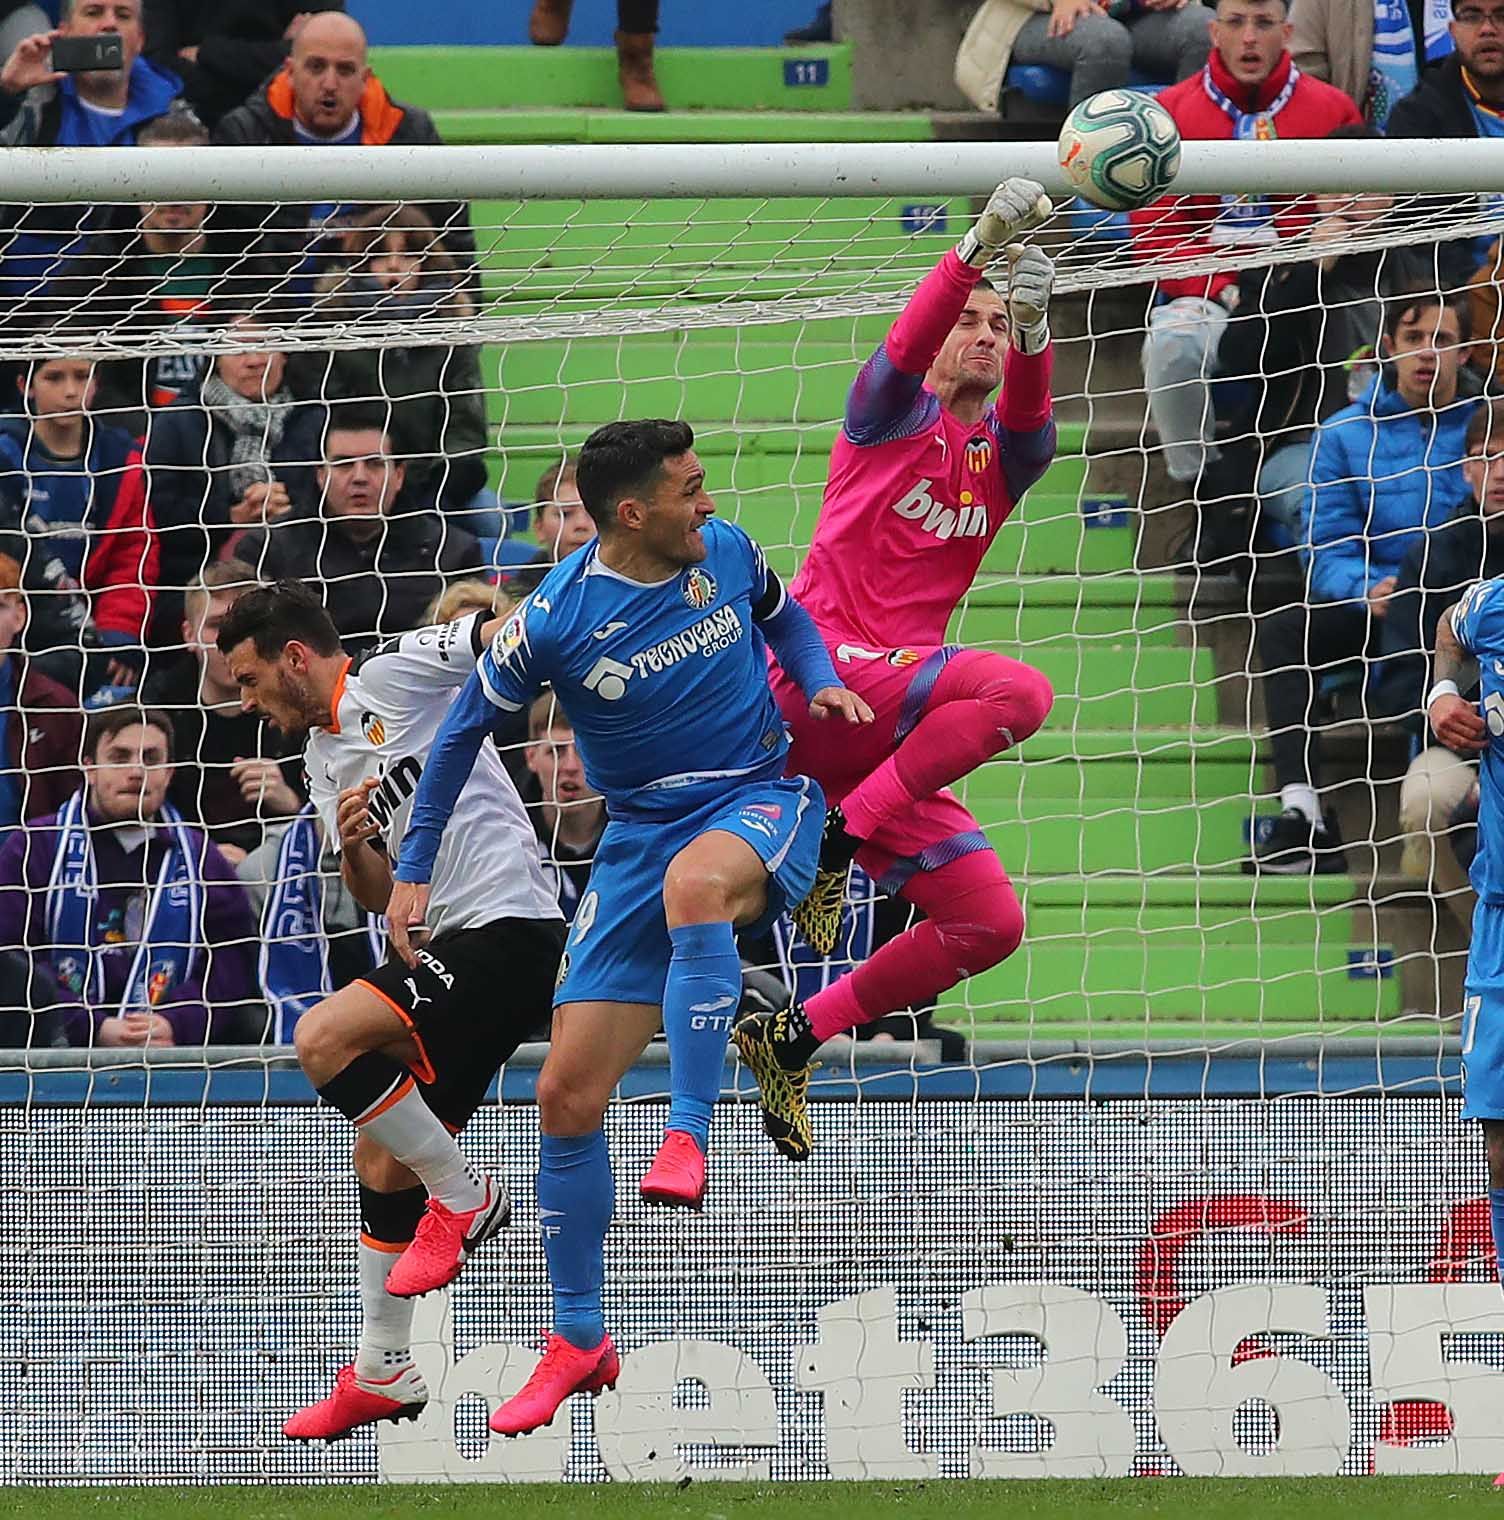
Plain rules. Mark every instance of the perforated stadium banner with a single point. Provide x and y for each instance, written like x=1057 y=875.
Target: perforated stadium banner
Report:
x=948 y=1288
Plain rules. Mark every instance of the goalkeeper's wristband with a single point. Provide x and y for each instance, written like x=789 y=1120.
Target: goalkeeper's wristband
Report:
x=1033 y=339
x=1439 y=690
x=972 y=250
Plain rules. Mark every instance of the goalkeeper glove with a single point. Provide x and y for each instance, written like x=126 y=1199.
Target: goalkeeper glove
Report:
x=1015 y=207
x=1031 y=277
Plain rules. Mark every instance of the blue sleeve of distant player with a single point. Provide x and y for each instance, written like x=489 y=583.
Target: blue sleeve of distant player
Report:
x=1478 y=619
x=466 y=726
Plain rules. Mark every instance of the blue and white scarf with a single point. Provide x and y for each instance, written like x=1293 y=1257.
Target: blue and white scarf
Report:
x=294 y=963
x=1396 y=70
x=1248 y=219
x=172 y=926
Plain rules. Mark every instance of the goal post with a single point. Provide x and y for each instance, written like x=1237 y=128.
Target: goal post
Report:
x=1192 y=1195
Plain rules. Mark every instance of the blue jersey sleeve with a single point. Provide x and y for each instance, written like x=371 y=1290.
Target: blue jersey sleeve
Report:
x=788 y=628
x=514 y=668
x=1478 y=619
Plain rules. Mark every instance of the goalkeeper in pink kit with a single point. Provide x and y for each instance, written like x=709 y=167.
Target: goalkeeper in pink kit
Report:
x=926 y=469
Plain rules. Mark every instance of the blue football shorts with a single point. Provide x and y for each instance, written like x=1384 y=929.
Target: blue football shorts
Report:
x=1483 y=1017
x=618 y=948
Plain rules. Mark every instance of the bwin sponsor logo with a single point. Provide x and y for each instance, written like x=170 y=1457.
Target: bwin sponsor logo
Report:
x=939 y=520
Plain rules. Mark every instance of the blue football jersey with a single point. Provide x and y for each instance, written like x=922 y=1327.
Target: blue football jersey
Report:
x=1478 y=622
x=666 y=685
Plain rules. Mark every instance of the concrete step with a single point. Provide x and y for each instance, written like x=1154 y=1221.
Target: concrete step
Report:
x=1108 y=981
x=545 y=125
x=717 y=79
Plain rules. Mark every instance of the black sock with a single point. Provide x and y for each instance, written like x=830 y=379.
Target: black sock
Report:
x=363 y=1084
x=392 y=1218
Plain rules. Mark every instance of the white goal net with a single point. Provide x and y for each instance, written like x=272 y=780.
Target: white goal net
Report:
x=1179 y=1187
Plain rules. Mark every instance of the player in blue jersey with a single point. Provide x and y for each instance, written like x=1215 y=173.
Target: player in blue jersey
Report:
x=653 y=638
x=1473 y=631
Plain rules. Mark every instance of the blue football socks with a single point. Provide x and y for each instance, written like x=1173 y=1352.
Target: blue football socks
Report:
x=700 y=1002
x=576 y=1198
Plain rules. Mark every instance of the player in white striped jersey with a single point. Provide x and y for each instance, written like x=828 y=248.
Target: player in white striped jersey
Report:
x=406 y=1053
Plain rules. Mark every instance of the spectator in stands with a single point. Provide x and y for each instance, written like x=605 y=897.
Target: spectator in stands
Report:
x=1470 y=547
x=560 y=523
x=569 y=815
x=1372 y=50
x=42 y=108
x=1248 y=89
x=137 y=915
x=377 y=568
x=327 y=95
x=636 y=25
x=154 y=276
x=315 y=938
x=1098 y=44
x=1385 y=472
x=224 y=49
x=1463 y=96
x=396 y=269
x=1282 y=373
x=235 y=776
x=40 y=724
x=231 y=454
x=74 y=515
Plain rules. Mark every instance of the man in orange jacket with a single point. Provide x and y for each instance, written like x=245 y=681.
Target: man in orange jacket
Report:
x=326 y=95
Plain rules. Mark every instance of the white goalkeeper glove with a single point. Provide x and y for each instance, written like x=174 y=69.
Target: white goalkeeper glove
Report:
x=1031 y=278
x=1015 y=207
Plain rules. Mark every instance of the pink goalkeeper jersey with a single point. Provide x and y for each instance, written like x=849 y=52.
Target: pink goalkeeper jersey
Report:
x=914 y=497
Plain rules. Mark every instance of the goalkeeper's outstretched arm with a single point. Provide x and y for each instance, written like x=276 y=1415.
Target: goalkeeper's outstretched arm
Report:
x=886 y=402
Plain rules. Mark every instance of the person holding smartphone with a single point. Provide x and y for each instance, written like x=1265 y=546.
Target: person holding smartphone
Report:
x=84 y=85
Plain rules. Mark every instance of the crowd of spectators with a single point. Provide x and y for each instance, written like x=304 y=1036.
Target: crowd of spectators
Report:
x=163 y=879
x=1327 y=417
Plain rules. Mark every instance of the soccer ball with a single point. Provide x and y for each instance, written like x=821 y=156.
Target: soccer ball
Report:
x=1120 y=149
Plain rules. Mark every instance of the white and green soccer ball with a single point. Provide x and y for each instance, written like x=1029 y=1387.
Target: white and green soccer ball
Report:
x=1120 y=149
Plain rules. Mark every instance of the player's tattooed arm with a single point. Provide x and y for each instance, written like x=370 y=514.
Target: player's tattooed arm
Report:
x=362 y=863
x=1456 y=722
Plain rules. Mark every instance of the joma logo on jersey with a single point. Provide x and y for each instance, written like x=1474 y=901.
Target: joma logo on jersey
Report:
x=942 y=521
x=399 y=783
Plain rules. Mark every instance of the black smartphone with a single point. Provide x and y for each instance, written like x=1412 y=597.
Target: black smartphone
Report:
x=87 y=55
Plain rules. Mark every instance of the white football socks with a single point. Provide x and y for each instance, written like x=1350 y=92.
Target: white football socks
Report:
x=410 y=1130
x=386 y=1322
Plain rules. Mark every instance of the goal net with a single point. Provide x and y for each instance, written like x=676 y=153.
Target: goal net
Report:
x=1178 y=1188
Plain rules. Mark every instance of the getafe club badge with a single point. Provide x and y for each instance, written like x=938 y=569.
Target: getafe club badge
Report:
x=70 y=973
x=699 y=588
x=373 y=726
x=978 y=454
